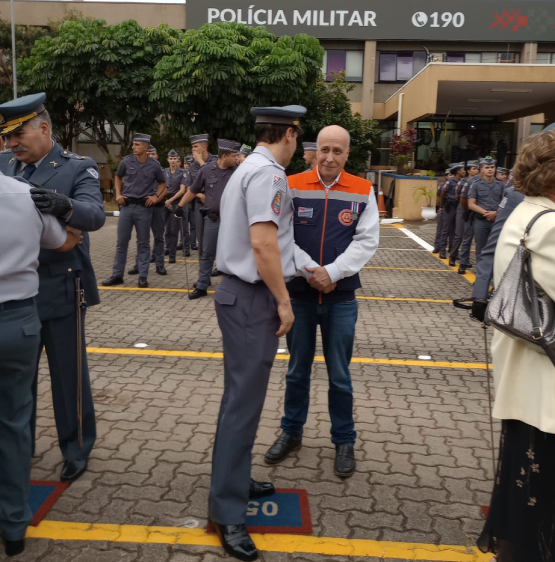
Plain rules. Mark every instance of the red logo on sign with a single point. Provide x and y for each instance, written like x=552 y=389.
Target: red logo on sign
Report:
x=514 y=20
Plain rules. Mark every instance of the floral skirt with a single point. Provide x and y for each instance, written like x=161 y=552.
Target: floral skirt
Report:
x=521 y=523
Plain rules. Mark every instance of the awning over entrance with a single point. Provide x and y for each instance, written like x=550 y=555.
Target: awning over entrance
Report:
x=460 y=89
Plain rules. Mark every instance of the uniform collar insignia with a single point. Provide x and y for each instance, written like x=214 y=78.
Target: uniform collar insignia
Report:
x=53 y=163
x=11 y=160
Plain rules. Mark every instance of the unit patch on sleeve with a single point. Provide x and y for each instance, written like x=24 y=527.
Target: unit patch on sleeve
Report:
x=93 y=173
x=276 y=204
x=279 y=183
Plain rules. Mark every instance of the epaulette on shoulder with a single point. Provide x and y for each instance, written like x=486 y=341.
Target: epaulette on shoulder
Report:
x=72 y=155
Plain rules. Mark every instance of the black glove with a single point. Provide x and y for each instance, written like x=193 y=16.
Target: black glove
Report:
x=479 y=310
x=48 y=201
x=178 y=211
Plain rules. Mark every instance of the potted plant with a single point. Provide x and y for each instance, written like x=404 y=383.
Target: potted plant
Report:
x=402 y=147
x=428 y=212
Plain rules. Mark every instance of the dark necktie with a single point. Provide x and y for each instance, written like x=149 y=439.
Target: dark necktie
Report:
x=28 y=171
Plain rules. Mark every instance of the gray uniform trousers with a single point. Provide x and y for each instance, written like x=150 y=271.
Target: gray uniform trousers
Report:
x=210 y=240
x=59 y=339
x=19 y=349
x=141 y=218
x=482 y=228
x=459 y=234
x=248 y=318
x=199 y=227
x=172 y=226
x=192 y=225
x=158 y=224
x=438 y=230
x=449 y=223
x=468 y=237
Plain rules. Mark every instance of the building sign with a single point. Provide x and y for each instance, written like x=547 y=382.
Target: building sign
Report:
x=431 y=20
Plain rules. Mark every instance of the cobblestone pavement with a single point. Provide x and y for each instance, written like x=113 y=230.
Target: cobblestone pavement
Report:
x=424 y=464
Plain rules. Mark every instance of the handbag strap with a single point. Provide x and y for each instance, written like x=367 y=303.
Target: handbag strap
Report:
x=533 y=221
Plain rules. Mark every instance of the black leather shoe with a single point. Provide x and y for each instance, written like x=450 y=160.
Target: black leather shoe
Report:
x=435 y=251
x=261 y=490
x=111 y=281
x=236 y=541
x=187 y=253
x=161 y=270
x=345 y=463
x=143 y=283
x=152 y=259
x=197 y=294
x=72 y=470
x=133 y=271
x=442 y=256
x=284 y=445
x=216 y=273
x=13 y=548
x=452 y=262
x=194 y=247
x=462 y=269
x=171 y=260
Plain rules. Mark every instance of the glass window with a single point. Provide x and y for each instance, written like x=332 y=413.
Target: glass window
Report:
x=420 y=59
x=353 y=66
x=507 y=58
x=335 y=63
x=404 y=67
x=388 y=67
x=455 y=57
x=325 y=63
x=489 y=58
x=473 y=57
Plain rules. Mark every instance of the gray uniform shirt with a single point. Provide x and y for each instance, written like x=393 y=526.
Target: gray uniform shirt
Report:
x=140 y=179
x=175 y=181
x=24 y=230
x=257 y=192
x=487 y=195
x=211 y=181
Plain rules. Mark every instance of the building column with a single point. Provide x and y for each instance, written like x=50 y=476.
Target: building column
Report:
x=522 y=128
x=368 y=77
x=529 y=53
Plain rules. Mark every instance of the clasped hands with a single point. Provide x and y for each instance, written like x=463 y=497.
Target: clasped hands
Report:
x=320 y=279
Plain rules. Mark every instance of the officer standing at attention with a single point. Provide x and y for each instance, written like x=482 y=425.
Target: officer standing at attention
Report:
x=448 y=207
x=439 y=227
x=309 y=155
x=484 y=199
x=209 y=187
x=502 y=174
x=24 y=231
x=140 y=184
x=188 y=227
x=245 y=151
x=176 y=182
x=201 y=156
x=256 y=251
x=70 y=190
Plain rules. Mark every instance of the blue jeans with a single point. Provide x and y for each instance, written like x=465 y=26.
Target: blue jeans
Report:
x=337 y=323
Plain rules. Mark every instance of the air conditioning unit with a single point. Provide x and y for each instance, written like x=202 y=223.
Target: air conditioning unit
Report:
x=437 y=57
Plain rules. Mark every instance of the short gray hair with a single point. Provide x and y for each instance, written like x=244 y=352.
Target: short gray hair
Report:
x=44 y=116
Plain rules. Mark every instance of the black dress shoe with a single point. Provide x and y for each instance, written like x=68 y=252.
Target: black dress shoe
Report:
x=216 y=273
x=345 y=463
x=236 y=541
x=72 y=470
x=161 y=270
x=194 y=247
x=187 y=253
x=133 y=271
x=171 y=260
x=13 y=548
x=111 y=281
x=261 y=490
x=442 y=256
x=435 y=251
x=197 y=294
x=152 y=259
x=284 y=445
x=452 y=262
x=143 y=283
x=462 y=269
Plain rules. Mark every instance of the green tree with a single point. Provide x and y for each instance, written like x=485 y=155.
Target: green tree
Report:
x=97 y=79
x=215 y=74
x=328 y=104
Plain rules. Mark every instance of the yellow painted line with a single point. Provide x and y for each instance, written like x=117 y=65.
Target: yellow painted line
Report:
x=186 y=261
x=164 y=290
x=327 y=546
x=281 y=357
x=407 y=268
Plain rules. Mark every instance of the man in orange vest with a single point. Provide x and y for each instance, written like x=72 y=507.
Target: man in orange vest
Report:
x=337 y=224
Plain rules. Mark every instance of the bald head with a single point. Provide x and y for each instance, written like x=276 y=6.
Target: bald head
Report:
x=333 y=152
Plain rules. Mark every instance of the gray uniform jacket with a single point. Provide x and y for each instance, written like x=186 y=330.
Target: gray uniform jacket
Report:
x=484 y=273
x=78 y=178
x=487 y=195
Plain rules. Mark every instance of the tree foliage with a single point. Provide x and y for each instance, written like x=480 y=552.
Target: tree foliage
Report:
x=215 y=74
x=97 y=75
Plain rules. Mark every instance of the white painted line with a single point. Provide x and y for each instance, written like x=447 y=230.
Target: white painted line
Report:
x=417 y=239
x=404 y=249
x=391 y=221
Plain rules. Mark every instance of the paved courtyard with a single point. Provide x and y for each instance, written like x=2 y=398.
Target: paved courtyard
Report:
x=424 y=464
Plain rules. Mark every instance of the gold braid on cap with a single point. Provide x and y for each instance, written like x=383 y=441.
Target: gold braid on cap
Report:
x=10 y=126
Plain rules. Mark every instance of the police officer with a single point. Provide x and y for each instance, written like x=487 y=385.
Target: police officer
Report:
x=245 y=151
x=483 y=199
x=502 y=174
x=152 y=153
x=439 y=227
x=188 y=228
x=256 y=250
x=309 y=155
x=24 y=232
x=448 y=207
x=70 y=190
x=176 y=181
x=209 y=186
x=472 y=170
x=140 y=184
x=201 y=156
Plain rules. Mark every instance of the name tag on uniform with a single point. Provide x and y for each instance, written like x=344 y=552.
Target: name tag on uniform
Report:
x=305 y=212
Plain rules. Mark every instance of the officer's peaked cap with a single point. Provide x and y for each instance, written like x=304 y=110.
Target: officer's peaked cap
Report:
x=14 y=114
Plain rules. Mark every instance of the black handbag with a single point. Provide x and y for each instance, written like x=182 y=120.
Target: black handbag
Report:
x=517 y=309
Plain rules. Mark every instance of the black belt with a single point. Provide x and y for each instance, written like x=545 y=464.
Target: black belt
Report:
x=9 y=305
x=213 y=216
x=135 y=201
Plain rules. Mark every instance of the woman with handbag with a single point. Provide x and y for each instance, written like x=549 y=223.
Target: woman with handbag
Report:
x=521 y=523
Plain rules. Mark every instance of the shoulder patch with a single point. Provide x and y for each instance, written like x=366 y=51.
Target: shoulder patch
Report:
x=279 y=183
x=93 y=173
x=276 y=204
x=503 y=203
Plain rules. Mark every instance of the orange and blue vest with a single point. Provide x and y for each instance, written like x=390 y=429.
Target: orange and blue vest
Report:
x=325 y=223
